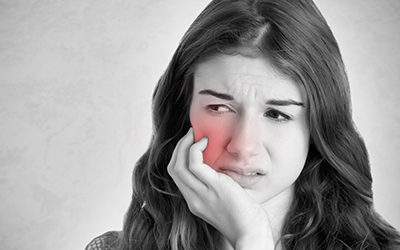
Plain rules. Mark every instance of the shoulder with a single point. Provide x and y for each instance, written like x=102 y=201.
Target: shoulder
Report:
x=106 y=241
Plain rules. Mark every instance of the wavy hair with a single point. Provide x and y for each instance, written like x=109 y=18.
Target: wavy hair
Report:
x=333 y=205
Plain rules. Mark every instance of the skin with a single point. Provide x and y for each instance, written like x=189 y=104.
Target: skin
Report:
x=237 y=166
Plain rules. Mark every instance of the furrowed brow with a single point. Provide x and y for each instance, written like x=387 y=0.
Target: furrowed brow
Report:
x=216 y=94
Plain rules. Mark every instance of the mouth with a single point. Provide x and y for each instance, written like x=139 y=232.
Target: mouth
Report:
x=244 y=179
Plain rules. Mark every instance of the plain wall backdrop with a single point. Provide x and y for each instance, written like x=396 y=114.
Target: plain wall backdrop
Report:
x=76 y=79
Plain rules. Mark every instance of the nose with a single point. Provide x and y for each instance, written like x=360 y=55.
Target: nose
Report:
x=245 y=140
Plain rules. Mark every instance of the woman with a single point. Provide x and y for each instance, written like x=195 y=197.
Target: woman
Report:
x=253 y=145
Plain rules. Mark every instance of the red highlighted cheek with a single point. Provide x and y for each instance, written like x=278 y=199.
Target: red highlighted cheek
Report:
x=215 y=144
x=217 y=135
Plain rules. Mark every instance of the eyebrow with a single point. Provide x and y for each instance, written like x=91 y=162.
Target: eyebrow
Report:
x=216 y=94
x=270 y=102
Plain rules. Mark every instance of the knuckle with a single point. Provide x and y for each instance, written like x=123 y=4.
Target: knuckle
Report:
x=192 y=166
x=169 y=169
x=195 y=207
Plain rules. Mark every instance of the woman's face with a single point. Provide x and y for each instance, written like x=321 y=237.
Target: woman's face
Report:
x=255 y=119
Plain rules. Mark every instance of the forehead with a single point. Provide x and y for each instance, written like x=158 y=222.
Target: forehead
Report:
x=245 y=76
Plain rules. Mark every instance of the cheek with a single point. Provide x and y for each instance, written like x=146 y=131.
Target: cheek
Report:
x=290 y=152
x=216 y=132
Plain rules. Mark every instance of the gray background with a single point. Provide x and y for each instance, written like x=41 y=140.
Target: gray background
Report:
x=76 y=79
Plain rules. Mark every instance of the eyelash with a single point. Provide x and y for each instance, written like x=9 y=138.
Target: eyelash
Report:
x=268 y=113
x=280 y=114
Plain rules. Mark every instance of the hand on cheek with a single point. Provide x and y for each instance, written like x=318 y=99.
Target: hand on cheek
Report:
x=217 y=141
x=213 y=196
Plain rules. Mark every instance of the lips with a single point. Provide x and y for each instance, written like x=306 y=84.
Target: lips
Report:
x=246 y=179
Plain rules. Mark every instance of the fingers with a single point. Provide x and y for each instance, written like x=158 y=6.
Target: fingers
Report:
x=196 y=165
x=185 y=143
x=212 y=196
x=178 y=168
x=196 y=151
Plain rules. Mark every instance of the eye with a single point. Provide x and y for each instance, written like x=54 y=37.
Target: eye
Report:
x=277 y=116
x=218 y=109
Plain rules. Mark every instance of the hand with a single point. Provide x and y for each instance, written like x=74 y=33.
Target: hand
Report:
x=217 y=198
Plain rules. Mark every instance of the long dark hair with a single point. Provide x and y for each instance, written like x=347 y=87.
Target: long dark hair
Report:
x=333 y=205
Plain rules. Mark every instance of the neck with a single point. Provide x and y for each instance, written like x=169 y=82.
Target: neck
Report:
x=277 y=209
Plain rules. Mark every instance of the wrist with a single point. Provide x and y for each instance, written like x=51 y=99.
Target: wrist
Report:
x=257 y=236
